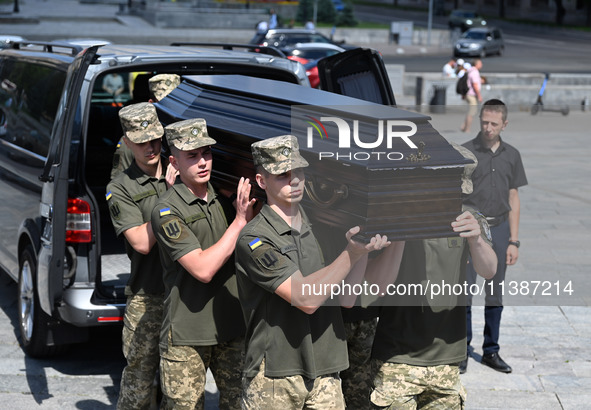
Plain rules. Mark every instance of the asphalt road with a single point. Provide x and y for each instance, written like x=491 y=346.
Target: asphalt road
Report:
x=86 y=378
x=528 y=48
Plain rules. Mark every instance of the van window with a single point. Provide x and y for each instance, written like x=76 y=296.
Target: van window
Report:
x=29 y=97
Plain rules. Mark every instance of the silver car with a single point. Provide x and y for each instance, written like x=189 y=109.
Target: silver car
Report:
x=480 y=42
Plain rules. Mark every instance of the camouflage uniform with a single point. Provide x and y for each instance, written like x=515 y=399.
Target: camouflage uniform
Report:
x=403 y=386
x=291 y=392
x=131 y=197
x=160 y=86
x=420 y=341
x=358 y=377
x=292 y=358
x=203 y=325
x=184 y=368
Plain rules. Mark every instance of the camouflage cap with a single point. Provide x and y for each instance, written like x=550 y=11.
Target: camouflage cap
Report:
x=140 y=123
x=278 y=155
x=468 y=169
x=188 y=134
x=162 y=84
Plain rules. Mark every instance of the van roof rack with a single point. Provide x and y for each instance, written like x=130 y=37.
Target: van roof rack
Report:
x=274 y=51
x=47 y=46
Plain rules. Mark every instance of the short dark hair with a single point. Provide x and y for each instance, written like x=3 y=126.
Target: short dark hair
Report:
x=495 y=105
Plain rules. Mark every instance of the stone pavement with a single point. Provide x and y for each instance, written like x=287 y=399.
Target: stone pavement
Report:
x=546 y=338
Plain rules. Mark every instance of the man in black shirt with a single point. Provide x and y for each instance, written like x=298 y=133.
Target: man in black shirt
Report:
x=496 y=179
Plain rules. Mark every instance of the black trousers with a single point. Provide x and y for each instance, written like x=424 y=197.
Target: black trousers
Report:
x=494 y=300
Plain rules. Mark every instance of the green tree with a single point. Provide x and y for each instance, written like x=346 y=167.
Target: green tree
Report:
x=305 y=11
x=326 y=12
x=346 y=17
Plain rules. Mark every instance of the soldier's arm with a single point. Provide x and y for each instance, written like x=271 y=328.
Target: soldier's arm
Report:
x=484 y=257
x=383 y=270
x=127 y=219
x=203 y=264
x=292 y=289
x=141 y=238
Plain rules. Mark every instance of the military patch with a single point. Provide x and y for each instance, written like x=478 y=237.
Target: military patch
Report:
x=172 y=229
x=254 y=244
x=486 y=229
x=454 y=242
x=109 y=195
x=269 y=259
x=115 y=211
x=165 y=211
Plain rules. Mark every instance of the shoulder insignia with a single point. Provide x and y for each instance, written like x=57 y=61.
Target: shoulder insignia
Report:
x=165 y=211
x=109 y=195
x=269 y=259
x=172 y=229
x=115 y=211
x=254 y=244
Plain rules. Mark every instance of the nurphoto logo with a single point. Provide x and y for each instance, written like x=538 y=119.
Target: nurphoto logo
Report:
x=386 y=136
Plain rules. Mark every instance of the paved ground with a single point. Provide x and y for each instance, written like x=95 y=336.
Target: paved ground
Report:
x=545 y=337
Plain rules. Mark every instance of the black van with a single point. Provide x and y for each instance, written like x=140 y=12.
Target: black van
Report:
x=58 y=133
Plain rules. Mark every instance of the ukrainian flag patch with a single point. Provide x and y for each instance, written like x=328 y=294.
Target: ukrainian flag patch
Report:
x=165 y=211
x=119 y=144
x=255 y=243
x=109 y=195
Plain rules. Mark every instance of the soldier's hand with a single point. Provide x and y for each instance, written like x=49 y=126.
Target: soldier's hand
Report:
x=467 y=225
x=376 y=243
x=171 y=174
x=244 y=205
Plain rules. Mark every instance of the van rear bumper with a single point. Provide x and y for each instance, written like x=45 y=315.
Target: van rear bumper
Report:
x=78 y=309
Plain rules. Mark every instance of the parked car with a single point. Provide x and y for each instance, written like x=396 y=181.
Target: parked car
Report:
x=465 y=19
x=60 y=133
x=480 y=42
x=308 y=54
x=287 y=37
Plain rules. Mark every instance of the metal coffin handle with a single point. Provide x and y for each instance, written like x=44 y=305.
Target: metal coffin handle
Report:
x=325 y=194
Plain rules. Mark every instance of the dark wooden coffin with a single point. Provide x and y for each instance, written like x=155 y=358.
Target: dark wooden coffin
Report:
x=400 y=191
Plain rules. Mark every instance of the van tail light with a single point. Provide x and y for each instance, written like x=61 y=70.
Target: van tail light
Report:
x=78 y=229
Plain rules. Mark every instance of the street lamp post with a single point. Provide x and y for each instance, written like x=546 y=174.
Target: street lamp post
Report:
x=16 y=9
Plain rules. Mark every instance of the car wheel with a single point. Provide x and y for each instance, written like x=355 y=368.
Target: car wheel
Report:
x=33 y=321
x=535 y=108
x=565 y=110
x=482 y=53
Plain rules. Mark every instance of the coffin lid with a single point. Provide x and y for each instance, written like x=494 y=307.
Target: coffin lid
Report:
x=258 y=109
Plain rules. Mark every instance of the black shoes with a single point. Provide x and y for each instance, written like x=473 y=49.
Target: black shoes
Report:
x=463 y=365
x=495 y=362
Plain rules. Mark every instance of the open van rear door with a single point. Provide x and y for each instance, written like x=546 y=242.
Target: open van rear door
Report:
x=55 y=178
x=358 y=73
